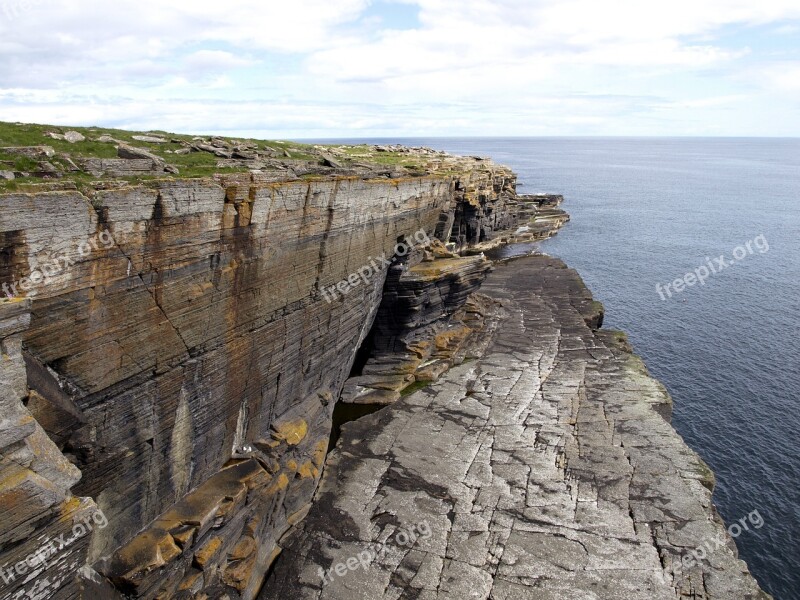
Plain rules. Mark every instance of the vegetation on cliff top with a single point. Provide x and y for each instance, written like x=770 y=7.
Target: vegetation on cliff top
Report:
x=78 y=160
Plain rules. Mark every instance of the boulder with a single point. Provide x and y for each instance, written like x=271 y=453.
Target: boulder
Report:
x=74 y=137
x=131 y=153
x=329 y=161
x=220 y=152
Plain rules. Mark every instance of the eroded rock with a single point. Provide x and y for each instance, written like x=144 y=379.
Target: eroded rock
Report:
x=543 y=469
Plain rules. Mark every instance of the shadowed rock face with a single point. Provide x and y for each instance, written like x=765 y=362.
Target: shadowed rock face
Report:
x=546 y=469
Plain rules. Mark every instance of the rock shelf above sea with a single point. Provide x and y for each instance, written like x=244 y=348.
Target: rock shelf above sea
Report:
x=546 y=469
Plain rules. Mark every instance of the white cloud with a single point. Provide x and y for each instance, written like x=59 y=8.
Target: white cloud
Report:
x=470 y=66
x=783 y=77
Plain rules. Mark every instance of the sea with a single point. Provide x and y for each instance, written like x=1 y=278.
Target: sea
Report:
x=648 y=212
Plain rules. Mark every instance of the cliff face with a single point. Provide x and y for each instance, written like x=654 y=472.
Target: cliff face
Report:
x=188 y=352
x=169 y=387
x=484 y=207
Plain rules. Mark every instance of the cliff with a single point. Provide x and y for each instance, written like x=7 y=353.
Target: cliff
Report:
x=188 y=346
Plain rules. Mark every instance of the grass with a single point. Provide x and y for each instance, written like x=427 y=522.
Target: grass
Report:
x=389 y=159
x=195 y=164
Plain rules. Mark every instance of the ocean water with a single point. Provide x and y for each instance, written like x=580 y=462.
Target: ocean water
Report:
x=649 y=211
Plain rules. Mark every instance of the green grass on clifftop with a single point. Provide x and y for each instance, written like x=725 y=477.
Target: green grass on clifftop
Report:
x=281 y=158
x=196 y=164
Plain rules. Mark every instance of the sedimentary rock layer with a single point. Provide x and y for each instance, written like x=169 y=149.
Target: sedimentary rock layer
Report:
x=187 y=326
x=181 y=352
x=43 y=544
x=546 y=469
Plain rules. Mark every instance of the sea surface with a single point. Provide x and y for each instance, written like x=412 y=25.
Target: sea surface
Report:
x=648 y=211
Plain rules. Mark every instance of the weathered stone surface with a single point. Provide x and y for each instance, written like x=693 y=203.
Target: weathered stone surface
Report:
x=151 y=139
x=195 y=335
x=73 y=137
x=132 y=153
x=544 y=469
x=30 y=151
x=185 y=356
x=485 y=206
x=35 y=483
x=120 y=167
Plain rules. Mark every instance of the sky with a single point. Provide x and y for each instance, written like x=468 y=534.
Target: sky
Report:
x=404 y=68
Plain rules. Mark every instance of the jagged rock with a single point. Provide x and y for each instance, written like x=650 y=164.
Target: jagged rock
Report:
x=72 y=167
x=198 y=363
x=329 y=161
x=141 y=451
x=215 y=150
x=35 y=484
x=131 y=153
x=73 y=137
x=244 y=154
x=7 y=175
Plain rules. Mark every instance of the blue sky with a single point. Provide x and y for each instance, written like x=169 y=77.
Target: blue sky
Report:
x=361 y=68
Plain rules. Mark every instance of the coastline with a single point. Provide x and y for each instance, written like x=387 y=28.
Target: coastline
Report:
x=546 y=466
x=513 y=423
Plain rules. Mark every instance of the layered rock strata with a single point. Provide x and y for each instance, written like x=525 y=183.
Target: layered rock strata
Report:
x=537 y=217
x=182 y=354
x=173 y=379
x=45 y=529
x=422 y=324
x=547 y=468
x=485 y=206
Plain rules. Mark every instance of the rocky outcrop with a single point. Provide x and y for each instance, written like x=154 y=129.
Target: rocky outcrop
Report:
x=421 y=325
x=46 y=530
x=546 y=468
x=486 y=206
